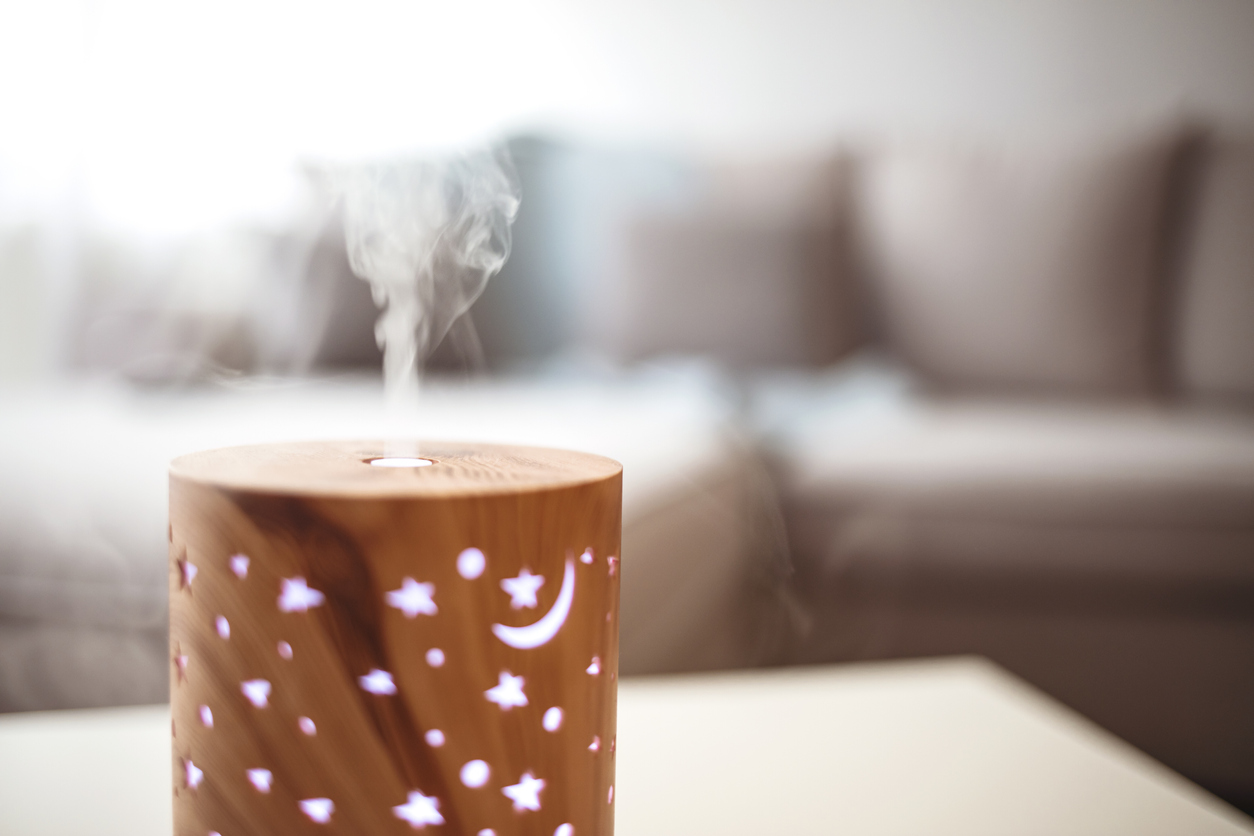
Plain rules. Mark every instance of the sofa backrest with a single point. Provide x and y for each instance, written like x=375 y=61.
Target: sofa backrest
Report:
x=752 y=271
x=1214 y=311
x=1034 y=266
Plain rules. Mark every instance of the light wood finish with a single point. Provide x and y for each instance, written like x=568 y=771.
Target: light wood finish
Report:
x=354 y=532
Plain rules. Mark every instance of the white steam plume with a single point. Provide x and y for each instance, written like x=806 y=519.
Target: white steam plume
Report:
x=427 y=234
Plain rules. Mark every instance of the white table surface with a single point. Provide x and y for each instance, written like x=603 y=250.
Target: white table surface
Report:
x=933 y=747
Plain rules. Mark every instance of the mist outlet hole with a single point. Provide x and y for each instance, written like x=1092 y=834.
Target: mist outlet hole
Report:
x=399 y=461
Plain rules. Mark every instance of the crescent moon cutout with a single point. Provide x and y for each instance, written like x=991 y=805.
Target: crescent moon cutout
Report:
x=542 y=631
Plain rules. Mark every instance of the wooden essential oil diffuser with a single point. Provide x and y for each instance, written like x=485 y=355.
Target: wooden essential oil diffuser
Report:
x=371 y=650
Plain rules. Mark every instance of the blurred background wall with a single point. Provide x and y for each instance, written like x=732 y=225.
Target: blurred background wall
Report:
x=129 y=126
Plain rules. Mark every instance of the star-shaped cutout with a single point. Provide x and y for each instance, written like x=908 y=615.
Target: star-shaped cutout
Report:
x=296 y=596
x=526 y=793
x=257 y=691
x=377 y=682
x=192 y=774
x=522 y=589
x=239 y=565
x=587 y=556
x=508 y=693
x=318 y=809
x=180 y=661
x=420 y=810
x=594 y=668
x=187 y=573
x=261 y=779
x=413 y=598
x=613 y=564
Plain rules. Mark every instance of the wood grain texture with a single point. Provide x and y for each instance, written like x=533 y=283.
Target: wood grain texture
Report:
x=354 y=533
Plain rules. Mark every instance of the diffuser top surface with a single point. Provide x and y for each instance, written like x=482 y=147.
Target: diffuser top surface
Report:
x=343 y=468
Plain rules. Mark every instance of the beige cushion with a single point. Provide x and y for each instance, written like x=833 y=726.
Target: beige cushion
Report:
x=1215 y=336
x=751 y=271
x=1025 y=267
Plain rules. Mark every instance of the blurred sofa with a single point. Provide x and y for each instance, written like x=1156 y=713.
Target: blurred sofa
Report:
x=905 y=397
x=1006 y=390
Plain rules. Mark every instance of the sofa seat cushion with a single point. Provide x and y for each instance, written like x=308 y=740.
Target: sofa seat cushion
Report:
x=83 y=552
x=872 y=470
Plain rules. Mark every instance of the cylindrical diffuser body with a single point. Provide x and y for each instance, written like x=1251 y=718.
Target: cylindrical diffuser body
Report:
x=360 y=649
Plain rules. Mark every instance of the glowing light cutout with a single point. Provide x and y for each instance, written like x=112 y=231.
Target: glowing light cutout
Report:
x=378 y=682
x=319 y=810
x=224 y=626
x=586 y=557
x=206 y=717
x=508 y=692
x=470 y=563
x=595 y=667
x=420 y=810
x=435 y=657
x=552 y=719
x=613 y=564
x=487 y=831
x=285 y=650
x=475 y=774
x=567 y=829
x=239 y=565
x=595 y=745
x=542 y=631
x=192 y=774
x=296 y=596
x=261 y=779
x=526 y=793
x=610 y=798
x=401 y=461
x=307 y=726
x=522 y=589
x=181 y=663
x=435 y=738
x=188 y=571
x=413 y=598
x=257 y=691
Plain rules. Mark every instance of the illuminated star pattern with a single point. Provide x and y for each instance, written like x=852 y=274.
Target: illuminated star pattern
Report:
x=319 y=810
x=187 y=572
x=413 y=598
x=296 y=596
x=420 y=810
x=257 y=691
x=192 y=774
x=522 y=589
x=508 y=692
x=261 y=779
x=378 y=682
x=526 y=793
